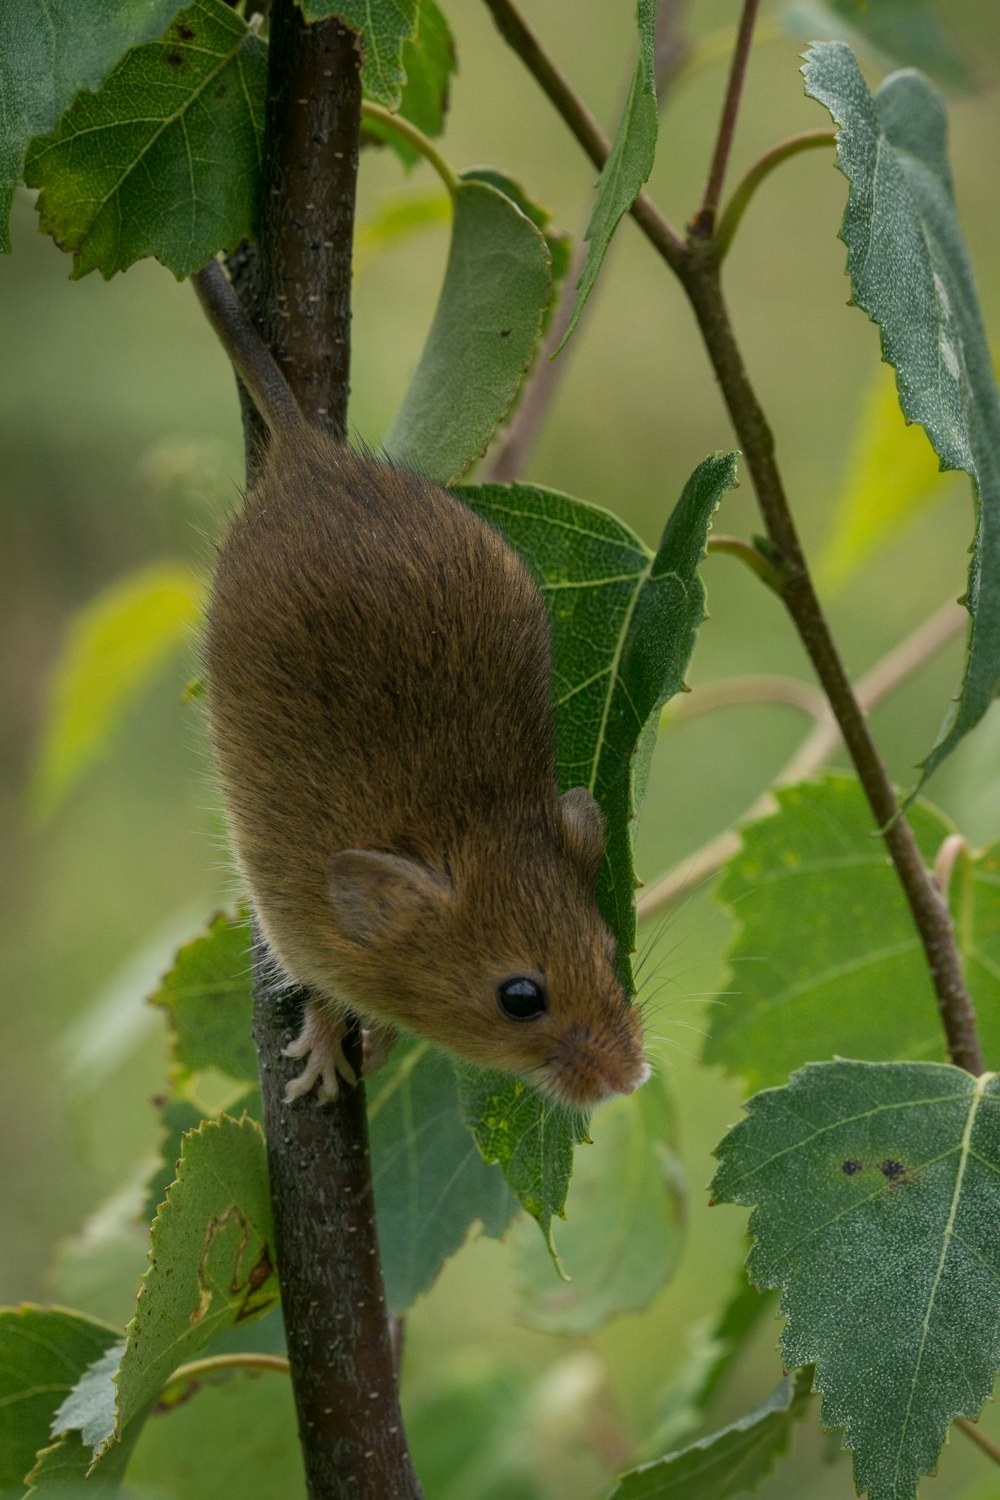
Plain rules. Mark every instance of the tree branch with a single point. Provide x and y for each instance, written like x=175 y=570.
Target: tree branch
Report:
x=700 y=279
x=339 y=1347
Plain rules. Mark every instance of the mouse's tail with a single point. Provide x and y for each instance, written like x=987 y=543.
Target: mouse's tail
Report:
x=251 y=358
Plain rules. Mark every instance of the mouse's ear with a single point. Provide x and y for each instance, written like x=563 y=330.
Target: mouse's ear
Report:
x=373 y=895
x=583 y=824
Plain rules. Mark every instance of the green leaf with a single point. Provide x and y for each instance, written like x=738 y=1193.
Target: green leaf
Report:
x=496 y=287
x=164 y=159
x=897 y=32
x=211 y=1264
x=531 y=1139
x=208 y=1001
x=238 y=1438
x=910 y=272
x=624 y=1237
x=860 y=984
x=62 y=1469
x=384 y=26
x=428 y=61
x=114 y=647
x=729 y=1463
x=47 y=54
x=630 y=162
x=430 y=1181
x=559 y=244
x=43 y=1353
x=90 y=1406
x=877 y=1195
x=624 y=622
x=891 y=476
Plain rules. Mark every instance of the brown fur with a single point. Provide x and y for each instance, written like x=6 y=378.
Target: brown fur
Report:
x=379 y=681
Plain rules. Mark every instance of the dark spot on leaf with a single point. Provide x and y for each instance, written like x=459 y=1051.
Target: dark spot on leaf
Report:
x=850 y=1167
x=891 y=1169
x=185 y=33
x=261 y=1271
x=174 y=60
x=221 y=91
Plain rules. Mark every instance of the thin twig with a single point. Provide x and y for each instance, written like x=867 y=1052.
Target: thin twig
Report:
x=730 y=692
x=893 y=670
x=975 y=1435
x=703 y=223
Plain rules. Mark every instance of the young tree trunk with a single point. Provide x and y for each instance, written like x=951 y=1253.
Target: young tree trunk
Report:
x=297 y=288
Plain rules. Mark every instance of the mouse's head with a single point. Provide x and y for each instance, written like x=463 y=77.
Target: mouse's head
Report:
x=502 y=958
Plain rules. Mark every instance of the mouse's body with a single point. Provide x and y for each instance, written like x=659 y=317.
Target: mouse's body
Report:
x=379 y=684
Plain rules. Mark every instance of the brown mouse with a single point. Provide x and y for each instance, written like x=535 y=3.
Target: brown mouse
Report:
x=379 y=697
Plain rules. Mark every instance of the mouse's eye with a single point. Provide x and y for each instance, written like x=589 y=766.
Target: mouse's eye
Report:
x=521 y=998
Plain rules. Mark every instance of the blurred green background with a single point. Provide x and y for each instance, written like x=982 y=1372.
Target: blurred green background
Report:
x=120 y=444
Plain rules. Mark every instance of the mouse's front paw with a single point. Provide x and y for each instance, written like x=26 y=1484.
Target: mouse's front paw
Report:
x=321 y=1043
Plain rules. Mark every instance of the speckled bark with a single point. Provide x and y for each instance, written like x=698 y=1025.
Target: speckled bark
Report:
x=296 y=285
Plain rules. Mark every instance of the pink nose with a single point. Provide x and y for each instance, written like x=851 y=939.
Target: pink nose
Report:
x=639 y=1078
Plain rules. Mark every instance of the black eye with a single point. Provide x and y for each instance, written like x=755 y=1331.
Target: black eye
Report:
x=521 y=998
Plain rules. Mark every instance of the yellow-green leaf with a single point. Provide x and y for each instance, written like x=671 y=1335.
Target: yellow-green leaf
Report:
x=114 y=647
x=891 y=476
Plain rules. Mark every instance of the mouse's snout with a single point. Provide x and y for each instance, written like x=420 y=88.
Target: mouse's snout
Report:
x=590 y=1065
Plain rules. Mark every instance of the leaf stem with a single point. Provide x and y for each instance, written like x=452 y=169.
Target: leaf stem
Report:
x=975 y=1435
x=894 y=668
x=729 y=692
x=752 y=557
x=736 y=207
x=416 y=138
x=703 y=224
x=946 y=859
x=217 y=1364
